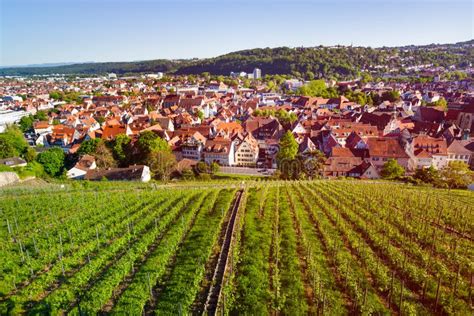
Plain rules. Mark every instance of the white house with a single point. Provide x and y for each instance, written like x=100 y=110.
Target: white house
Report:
x=86 y=163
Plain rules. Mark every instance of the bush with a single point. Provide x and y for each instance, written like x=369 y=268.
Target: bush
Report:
x=52 y=161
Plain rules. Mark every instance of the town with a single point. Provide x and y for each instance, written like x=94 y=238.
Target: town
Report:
x=212 y=157
x=109 y=126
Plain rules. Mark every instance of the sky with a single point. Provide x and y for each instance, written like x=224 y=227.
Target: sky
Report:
x=55 y=31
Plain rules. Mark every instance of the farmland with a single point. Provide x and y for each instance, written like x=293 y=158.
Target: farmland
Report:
x=309 y=247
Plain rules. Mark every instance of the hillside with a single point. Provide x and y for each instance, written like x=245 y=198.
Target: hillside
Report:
x=307 y=247
x=338 y=61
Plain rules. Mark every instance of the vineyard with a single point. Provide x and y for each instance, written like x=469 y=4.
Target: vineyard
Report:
x=289 y=248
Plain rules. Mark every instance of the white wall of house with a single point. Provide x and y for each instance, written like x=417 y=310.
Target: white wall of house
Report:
x=245 y=155
x=146 y=175
x=458 y=157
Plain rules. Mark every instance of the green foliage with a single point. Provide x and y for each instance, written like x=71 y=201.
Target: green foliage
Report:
x=41 y=116
x=214 y=167
x=162 y=163
x=150 y=142
x=89 y=146
x=357 y=97
x=457 y=175
x=288 y=147
x=442 y=103
x=283 y=116
x=391 y=96
x=12 y=142
x=200 y=114
x=317 y=88
x=52 y=161
x=69 y=97
x=103 y=156
x=428 y=175
x=337 y=62
x=187 y=174
x=202 y=167
x=29 y=154
x=120 y=147
x=26 y=123
x=391 y=170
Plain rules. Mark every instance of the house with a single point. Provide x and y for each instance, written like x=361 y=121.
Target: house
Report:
x=246 y=149
x=386 y=122
x=429 y=114
x=429 y=151
x=220 y=150
x=382 y=149
x=113 y=128
x=466 y=118
x=188 y=144
x=227 y=129
x=264 y=128
x=459 y=150
x=171 y=100
x=349 y=167
x=87 y=162
x=13 y=162
x=42 y=127
x=131 y=173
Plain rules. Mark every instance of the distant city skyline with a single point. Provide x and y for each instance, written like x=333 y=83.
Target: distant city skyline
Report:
x=53 y=31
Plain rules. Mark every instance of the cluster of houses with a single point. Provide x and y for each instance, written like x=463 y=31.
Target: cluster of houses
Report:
x=213 y=122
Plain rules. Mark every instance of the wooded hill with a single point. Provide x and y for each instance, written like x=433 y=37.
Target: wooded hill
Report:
x=342 y=62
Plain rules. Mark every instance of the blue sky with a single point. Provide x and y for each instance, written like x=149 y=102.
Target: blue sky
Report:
x=50 y=31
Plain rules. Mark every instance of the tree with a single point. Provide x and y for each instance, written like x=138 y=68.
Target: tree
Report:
x=441 y=103
x=202 y=167
x=41 y=116
x=103 y=156
x=52 y=161
x=214 y=167
x=29 y=154
x=56 y=95
x=428 y=175
x=457 y=175
x=200 y=114
x=162 y=164
x=150 y=142
x=12 y=142
x=26 y=123
x=7 y=149
x=89 y=146
x=288 y=147
x=391 y=96
x=187 y=174
x=309 y=75
x=391 y=170
x=120 y=147
x=313 y=88
x=313 y=163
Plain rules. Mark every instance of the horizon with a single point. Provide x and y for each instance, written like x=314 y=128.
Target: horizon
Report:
x=126 y=31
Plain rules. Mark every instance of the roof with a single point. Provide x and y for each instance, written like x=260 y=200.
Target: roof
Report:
x=12 y=162
x=129 y=173
x=430 y=144
x=111 y=131
x=430 y=114
x=218 y=145
x=460 y=147
x=386 y=147
x=85 y=162
x=342 y=164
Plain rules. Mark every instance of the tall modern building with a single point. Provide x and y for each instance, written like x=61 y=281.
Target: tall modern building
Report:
x=257 y=73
